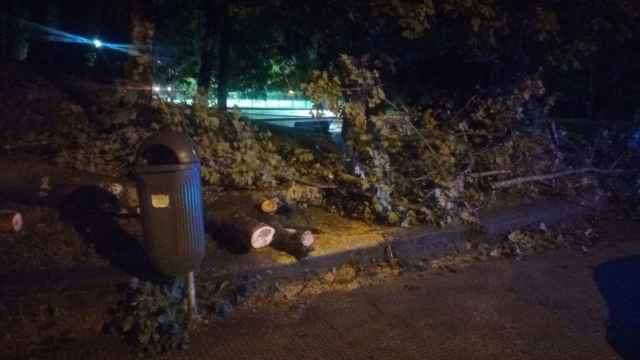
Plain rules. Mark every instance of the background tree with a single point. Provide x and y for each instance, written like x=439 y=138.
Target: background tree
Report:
x=138 y=71
x=215 y=13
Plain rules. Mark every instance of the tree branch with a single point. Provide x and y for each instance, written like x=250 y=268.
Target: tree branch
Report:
x=528 y=179
x=489 y=173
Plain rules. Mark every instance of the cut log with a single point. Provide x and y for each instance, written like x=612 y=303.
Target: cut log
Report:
x=298 y=243
x=10 y=221
x=234 y=219
x=37 y=182
x=240 y=230
x=250 y=211
x=270 y=206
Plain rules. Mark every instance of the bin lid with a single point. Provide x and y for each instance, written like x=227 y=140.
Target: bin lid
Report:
x=167 y=148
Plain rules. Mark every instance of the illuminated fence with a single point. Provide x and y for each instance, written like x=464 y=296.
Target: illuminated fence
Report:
x=285 y=110
x=271 y=101
x=275 y=108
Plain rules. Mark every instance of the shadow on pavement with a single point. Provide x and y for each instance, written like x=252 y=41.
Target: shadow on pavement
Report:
x=85 y=211
x=619 y=283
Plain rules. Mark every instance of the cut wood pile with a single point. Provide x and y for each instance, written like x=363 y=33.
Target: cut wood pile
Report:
x=239 y=220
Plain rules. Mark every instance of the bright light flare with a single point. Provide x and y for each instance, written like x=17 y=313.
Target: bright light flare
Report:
x=55 y=35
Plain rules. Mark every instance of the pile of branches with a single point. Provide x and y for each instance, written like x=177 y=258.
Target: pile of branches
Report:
x=440 y=165
x=101 y=130
x=399 y=165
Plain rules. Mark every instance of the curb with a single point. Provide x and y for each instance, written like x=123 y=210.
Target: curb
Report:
x=438 y=242
x=414 y=242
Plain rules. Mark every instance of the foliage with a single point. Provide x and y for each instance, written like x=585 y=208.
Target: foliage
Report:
x=221 y=298
x=368 y=162
x=178 y=40
x=239 y=156
x=444 y=45
x=103 y=137
x=233 y=153
x=418 y=17
x=439 y=99
x=152 y=318
x=186 y=88
x=418 y=164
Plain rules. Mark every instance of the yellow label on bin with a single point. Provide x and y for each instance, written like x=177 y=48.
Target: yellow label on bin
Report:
x=160 y=200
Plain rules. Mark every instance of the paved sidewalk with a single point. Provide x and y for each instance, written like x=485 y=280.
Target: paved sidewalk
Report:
x=566 y=304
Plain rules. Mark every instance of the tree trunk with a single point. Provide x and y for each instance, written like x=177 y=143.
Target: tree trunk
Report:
x=212 y=31
x=138 y=71
x=224 y=53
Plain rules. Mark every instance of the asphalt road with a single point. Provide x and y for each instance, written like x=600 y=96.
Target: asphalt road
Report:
x=566 y=304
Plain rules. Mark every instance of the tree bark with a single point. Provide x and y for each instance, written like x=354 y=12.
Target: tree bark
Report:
x=240 y=230
x=297 y=242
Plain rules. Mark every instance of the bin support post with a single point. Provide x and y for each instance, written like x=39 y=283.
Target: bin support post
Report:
x=191 y=292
